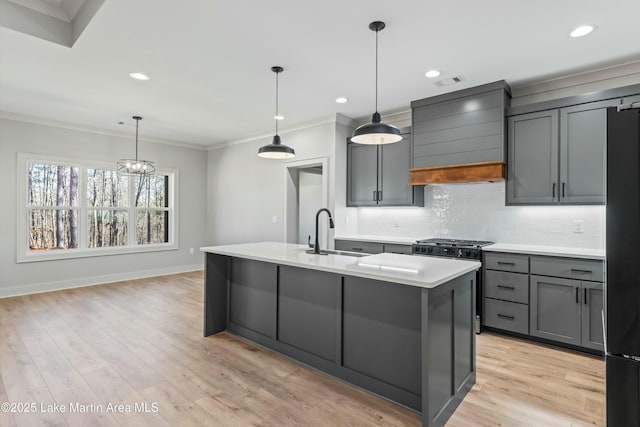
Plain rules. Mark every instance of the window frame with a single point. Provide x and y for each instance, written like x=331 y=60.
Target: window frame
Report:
x=24 y=254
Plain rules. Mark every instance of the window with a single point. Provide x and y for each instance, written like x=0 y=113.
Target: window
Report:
x=76 y=209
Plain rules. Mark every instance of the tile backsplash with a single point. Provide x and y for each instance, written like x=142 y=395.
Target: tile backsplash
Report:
x=477 y=211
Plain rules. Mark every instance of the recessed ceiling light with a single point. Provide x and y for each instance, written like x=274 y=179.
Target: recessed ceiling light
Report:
x=139 y=76
x=279 y=117
x=432 y=73
x=582 y=30
x=342 y=100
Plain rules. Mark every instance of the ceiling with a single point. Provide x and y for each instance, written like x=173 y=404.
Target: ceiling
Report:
x=209 y=60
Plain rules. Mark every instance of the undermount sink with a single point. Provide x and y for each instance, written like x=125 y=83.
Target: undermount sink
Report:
x=330 y=252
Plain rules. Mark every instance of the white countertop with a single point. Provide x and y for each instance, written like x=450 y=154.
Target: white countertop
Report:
x=421 y=271
x=558 y=251
x=381 y=239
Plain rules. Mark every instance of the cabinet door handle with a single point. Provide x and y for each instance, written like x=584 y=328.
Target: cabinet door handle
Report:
x=585 y=296
x=511 y=288
x=578 y=270
x=577 y=296
x=506 y=316
x=357 y=249
x=553 y=190
x=563 y=189
x=506 y=263
x=380 y=195
x=375 y=196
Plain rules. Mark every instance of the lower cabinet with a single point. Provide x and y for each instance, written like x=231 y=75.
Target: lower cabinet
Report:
x=567 y=310
x=372 y=247
x=554 y=298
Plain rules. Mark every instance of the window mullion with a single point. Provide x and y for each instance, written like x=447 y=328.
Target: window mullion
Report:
x=132 y=212
x=83 y=223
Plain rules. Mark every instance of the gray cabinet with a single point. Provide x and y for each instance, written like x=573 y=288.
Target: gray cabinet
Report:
x=592 y=304
x=379 y=175
x=371 y=247
x=506 y=292
x=567 y=299
x=583 y=138
x=362 y=175
x=359 y=246
x=465 y=126
x=532 y=168
x=557 y=156
x=557 y=299
x=555 y=309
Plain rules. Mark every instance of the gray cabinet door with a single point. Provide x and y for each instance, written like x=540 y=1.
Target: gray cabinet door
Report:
x=555 y=311
x=532 y=151
x=362 y=175
x=583 y=137
x=592 y=304
x=395 y=162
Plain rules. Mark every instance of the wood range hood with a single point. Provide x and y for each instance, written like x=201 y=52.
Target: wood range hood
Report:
x=468 y=172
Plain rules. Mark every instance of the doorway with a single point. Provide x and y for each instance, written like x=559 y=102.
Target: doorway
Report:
x=306 y=191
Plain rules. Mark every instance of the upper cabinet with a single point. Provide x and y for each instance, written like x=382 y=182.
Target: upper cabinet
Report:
x=557 y=156
x=556 y=149
x=379 y=175
x=459 y=128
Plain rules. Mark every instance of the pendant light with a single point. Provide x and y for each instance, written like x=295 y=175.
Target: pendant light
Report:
x=376 y=132
x=136 y=167
x=276 y=150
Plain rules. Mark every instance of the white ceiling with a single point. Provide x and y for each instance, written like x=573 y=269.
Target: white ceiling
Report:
x=209 y=60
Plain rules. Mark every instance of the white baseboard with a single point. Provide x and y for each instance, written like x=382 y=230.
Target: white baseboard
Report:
x=94 y=280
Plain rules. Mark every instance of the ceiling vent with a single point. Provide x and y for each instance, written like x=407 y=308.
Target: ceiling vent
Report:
x=448 y=82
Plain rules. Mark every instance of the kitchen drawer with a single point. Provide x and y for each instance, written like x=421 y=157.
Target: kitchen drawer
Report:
x=506 y=262
x=507 y=286
x=356 y=246
x=509 y=316
x=397 y=248
x=571 y=268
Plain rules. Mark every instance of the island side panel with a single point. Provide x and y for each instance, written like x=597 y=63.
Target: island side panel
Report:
x=307 y=311
x=215 y=293
x=448 y=348
x=381 y=330
x=253 y=296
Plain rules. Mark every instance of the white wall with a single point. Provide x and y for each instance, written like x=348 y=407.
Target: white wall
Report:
x=245 y=192
x=18 y=136
x=478 y=211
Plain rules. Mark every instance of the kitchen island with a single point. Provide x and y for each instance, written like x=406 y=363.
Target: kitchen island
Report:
x=399 y=326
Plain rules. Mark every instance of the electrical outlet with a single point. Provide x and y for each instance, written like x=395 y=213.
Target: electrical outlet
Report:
x=578 y=226
x=274 y=219
x=192 y=251
x=396 y=223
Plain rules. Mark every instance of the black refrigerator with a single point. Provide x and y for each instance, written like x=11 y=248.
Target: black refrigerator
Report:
x=622 y=339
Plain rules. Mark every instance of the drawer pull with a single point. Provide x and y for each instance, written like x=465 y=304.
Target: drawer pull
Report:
x=511 y=288
x=506 y=263
x=357 y=249
x=506 y=316
x=578 y=270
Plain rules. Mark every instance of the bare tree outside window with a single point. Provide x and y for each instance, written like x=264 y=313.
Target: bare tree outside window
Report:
x=51 y=207
x=112 y=207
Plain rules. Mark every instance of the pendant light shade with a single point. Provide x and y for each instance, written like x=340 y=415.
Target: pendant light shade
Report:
x=136 y=167
x=276 y=150
x=376 y=132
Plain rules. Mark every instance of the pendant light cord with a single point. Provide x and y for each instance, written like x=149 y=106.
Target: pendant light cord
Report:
x=276 y=117
x=137 y=122
x=377 y=31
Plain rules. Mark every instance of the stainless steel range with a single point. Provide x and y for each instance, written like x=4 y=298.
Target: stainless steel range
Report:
x=456 y=248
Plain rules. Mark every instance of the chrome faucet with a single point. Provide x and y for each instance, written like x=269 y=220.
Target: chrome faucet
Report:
x=316 y=246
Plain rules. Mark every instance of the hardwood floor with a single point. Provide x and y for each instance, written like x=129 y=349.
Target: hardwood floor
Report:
x=138 y=342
